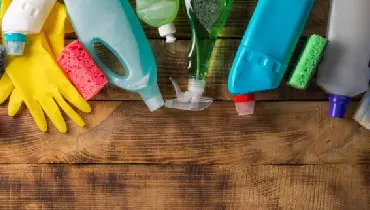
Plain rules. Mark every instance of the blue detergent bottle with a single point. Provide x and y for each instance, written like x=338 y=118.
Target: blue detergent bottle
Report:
x=266 y=49
x=114 y=24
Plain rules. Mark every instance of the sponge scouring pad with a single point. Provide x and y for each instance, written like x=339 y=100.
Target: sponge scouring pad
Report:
x=308 y=62
x=81 y=70
x=2 y=60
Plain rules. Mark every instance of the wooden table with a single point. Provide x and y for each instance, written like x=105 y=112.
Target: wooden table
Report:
x=289 y=155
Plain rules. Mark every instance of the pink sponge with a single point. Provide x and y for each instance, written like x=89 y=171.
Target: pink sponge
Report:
x=81 y=70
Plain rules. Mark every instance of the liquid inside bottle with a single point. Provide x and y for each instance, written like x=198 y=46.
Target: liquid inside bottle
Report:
x=159 y=14
x=206 y=18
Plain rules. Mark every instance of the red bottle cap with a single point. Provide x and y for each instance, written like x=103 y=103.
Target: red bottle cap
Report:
x=244 y=98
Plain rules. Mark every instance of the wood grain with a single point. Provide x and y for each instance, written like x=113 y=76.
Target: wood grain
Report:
x=220 y=160
x=323 y=187
x=125 y=132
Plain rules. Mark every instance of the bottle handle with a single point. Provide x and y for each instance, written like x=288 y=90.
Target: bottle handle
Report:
x=114 y=78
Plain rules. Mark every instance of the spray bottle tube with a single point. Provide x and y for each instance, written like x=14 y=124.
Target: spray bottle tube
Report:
x=206 y=19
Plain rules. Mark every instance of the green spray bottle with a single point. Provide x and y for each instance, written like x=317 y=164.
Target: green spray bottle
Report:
x=159 y=14
x=206 y=19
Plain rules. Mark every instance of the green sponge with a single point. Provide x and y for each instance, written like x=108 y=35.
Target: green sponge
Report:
x=308 y=62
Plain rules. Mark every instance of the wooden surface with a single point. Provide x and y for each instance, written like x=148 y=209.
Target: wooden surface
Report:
x=289 y=155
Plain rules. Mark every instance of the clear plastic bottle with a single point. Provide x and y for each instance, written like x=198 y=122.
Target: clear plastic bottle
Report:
x=125 y=38
x=22 y=18
x=362 y=115
x=159 y=14
x=206 y=19
x=345 y=72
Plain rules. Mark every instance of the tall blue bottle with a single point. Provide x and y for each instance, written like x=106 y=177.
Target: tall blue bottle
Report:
x=266 y=49
x=115 y=24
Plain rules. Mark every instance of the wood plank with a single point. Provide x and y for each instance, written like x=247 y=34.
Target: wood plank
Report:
x=184 y=187
x=125 y=132
x=239 y=19
x=171 y=62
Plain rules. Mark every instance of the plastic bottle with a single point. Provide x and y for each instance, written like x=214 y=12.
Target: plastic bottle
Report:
x=125 y=38
x=266 y=49
x=159 y=14
x=362 y=115
x=22 y=18
x=206 y=19
x=345 y=72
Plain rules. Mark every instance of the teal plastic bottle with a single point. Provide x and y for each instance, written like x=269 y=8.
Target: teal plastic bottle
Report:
x=115 y=24
x=266 y=49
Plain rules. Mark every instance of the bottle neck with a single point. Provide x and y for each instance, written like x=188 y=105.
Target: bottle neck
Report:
x=338 y=105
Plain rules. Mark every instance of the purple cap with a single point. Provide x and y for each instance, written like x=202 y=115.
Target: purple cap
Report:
x=338 y=105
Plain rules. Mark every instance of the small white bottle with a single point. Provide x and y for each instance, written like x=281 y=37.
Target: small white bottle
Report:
x=22 y=18
x=345 y=72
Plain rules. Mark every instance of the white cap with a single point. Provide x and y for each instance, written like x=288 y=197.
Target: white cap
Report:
x=155 y=103
x=245 y=108
x=192 y=99
x=167 y=31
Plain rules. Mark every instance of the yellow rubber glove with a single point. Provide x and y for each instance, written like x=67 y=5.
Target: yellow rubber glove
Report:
x=39 y=82
x=55 y=27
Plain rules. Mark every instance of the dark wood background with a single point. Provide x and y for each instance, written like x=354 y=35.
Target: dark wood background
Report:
x=289 y=155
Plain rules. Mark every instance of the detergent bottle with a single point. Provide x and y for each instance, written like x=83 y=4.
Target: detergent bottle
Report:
x=362 y=115
x=159 y=14
x=266 y=49
x=114 y=24
x=24 y=17
x=344 y=72
x=206 y=19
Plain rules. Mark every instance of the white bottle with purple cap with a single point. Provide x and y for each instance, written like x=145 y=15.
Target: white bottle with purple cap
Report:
x=22 y=18
x=345 y=72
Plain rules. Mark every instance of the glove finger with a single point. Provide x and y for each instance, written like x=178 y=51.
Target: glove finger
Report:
x=52 y=111
x=37 y=114
x=15 y=103
x=70 y=93
x=68 y=110
x=6 y=87
x=54 y=28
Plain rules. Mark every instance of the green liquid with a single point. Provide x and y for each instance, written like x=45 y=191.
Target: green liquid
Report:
x=157 y=13
x=206 y=19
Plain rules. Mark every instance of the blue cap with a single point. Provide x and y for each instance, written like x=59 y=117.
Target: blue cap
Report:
x=338 y=105
x=15 y=43
x=14 y=37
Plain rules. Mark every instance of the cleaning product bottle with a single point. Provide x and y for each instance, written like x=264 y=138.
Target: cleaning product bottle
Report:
x=362 y=115
x=206 y=19
x=266 y=49
x=345 y=72
x=24 y=17
x=159 y=14
x=114 y=24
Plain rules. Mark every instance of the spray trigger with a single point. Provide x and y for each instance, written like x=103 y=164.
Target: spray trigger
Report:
x=191 y=100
